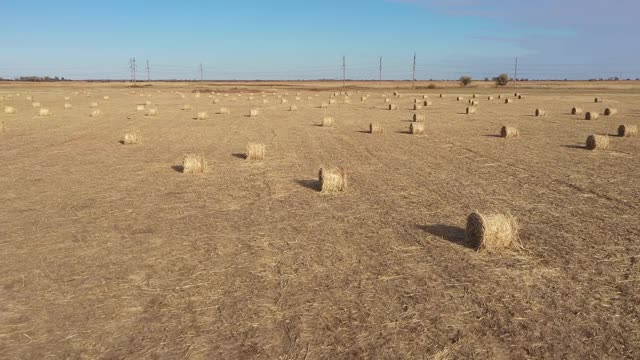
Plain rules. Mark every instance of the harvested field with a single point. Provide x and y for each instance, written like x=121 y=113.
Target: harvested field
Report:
x=111 y=252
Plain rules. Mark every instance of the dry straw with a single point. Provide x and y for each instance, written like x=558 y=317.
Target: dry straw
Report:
x=293 y=108
x=324 y=105
x=490 y=98
x=576 y=111
x=140 y=107
x=284 y=101
x=393 y=107
x=332 y=101
x=541 y=112
x=508 y=132
x=597 y=142
x=9 y=110
x=387 y=100
x=459 y=98
x=203 y=115
x=590 y=115
x=507 y=101
x=130 y=138
x=597 y=100
x=493 y=232
x=627 y=130
x=471 y=110
x=417 y=107
x=67 y=106
x=253 y=113
x=333 y=180
x=35 y=104
x=106 y=97
x=255 y=151
x=327 y=121
x=193 y=164
x=416 y=128
x=520 y=97
x=93 y=105
x=610 y=111
x=418 y=117
x=44 y=112
x=375 y=128
x=224 y=111
x=427 y=103
x=95 y=113
x=186 y=107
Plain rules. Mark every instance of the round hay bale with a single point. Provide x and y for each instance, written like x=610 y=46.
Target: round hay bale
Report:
x=459 y=98
x=327 y=121
x=590 y=115
x=418 y=117
x=387 y=100
x=427 y=103
x=520 y=97
x=474 y=96
x=106 y=97
x=471 y=110
x=297 y=98
x=197 y=95
x=44 y=112
x=417 y=107
x=540 y=112
x=95 y=113
x=597 y=100
x=363 y=98
x=576 y=111
x=333 y=179
x=332 y=101
x=475 y=102
x=416 y=128
x=375 y=128
x=255 y=151
x=148 y=103
x=324 y=105
x=597 y=142
x=393 y=107
x=627 y=130
x=131 y=138
x=152 y=112
x=67 y=106
x=610 y=111
x=9 y=110
x=140 y=107
x=499 y=96
x=216 y=101
x=441 y=95
x=265 y=101
x=253 y=113
x=309 y=97
x=186 y=107
x=93 y=105
x=493 y=232
x=29 y=98
x=507 y=101
x=293 y=108
x=516 y=94
x=224 y=111
x=192 y=164
x=202 y=115
x=490 y=98
x=508 y=132
x=283 y=101
x=35 y=104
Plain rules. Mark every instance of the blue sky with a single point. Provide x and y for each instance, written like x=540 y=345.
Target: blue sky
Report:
x=251 y=39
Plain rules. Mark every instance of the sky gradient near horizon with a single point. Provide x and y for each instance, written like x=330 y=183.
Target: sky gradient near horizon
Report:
x=291 y=39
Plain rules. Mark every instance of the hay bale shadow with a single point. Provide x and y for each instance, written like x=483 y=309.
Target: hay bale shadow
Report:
x=404 y=132
x=240 y=155
x=452 y=234
x=178 y=168
x=582 y=147
x=310 y=184
x=493 y=135
x=368 y=131
x=121 y=142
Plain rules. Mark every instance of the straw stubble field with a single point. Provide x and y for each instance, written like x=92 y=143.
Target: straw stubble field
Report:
x=109 y=251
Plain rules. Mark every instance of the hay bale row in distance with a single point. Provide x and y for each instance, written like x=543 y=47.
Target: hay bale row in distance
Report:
x=597 y=142
x=493 y=233
x=333 y=180
x=186 y=107
x=255 y=151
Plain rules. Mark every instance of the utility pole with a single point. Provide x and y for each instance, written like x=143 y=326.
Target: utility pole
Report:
x=380 y=70
x=414 y=70
x=201 y=72
x=133 y=70
x=515 y=75
x=344 y=71
x=148 y=72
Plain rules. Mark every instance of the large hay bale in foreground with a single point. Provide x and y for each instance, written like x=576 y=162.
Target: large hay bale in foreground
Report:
x=493 y=232
x=610 y=111
x=508 y=132
x=416 y=128
x=9 y=110
x=540 y=112
x=202 y=115
x=333 y=180
x=590 y=115
x=193 y=164
x=393 y=107
x=627 y=130
x=44 y=112
x=255 y=151
x=418 y=117
x=375 y=128
x=130 y=138
x=471 y=110
x=327 y=121
x=576 y=111
x=597 y=142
